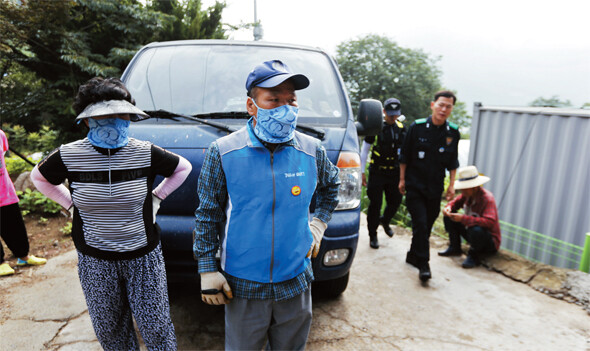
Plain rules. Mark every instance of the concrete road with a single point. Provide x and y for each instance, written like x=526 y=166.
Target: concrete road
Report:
x=384 y=308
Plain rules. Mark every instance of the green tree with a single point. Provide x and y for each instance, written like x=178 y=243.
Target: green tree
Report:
x=550 y=102
x=461 y=117
x=49 y=48
x=376 y=67
x=187 y=20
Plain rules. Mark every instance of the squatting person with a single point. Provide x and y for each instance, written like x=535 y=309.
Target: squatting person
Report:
x=479 y=223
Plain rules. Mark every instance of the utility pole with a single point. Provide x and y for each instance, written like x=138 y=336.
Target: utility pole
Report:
x=257 y=27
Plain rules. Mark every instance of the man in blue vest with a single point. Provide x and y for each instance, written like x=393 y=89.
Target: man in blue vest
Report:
x=255 y=189
x=430 y=147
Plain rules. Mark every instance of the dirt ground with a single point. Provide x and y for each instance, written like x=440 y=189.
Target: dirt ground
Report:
x=45 y=238
x=385 y=306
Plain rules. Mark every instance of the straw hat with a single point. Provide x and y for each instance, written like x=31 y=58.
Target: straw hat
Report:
x=468 y=177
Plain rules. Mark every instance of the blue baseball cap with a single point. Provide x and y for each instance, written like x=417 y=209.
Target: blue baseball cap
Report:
x=393 y=107
x=269 y=74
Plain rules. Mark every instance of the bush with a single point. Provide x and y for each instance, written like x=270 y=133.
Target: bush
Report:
x=67 y=229
x=32 y=201
x=16 y=165
x=45 y=140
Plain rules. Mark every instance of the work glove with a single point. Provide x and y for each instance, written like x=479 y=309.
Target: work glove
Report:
x=155 y=205
x=317 y=231
x=214 y=289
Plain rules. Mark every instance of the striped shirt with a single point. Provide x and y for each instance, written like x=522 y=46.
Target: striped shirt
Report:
x=212 y=190
x=111 y=192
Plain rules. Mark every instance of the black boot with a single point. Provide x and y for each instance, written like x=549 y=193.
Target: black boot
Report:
x=469 y=262
x=472 y=260
x=424 y=274
x=374 y=242
x=451 y=251
x=386 y=226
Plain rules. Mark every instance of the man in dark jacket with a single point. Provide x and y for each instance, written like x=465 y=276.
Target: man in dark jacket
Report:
x=430 y=147
x=383 y=170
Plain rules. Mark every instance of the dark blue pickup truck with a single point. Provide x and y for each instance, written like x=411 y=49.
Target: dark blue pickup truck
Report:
x=194 y=91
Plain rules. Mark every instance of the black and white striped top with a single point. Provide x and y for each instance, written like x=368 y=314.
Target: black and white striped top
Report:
x=111 y=192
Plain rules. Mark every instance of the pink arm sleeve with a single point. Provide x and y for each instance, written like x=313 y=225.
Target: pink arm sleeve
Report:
x=57 y=193
x=171 y=183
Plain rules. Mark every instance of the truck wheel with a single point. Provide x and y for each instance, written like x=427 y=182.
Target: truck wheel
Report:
x=330 y=288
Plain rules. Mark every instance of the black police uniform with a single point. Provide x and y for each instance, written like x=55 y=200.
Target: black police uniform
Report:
x=384 y=174
x=427 y=151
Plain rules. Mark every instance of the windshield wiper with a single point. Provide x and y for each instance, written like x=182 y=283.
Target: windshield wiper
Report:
x=319 y=132
x=233 y=114
x=172 y=115
x=229 y=114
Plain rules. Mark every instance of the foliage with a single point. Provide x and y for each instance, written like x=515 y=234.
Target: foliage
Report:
x=16 y=165
x=460 y=117
x=49 y=48
x=32 y=201
x=66 y=229
x=186 y=20
x=550 y=102
x=43 y=140
x=376 y=67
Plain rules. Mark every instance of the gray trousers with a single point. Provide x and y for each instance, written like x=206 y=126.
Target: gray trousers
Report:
x=250 y=324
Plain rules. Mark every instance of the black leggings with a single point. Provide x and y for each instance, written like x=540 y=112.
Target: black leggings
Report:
x=13 y=231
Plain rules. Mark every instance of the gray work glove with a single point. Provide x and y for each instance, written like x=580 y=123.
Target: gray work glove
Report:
x=317 y=231
x=214 y=289
x=155 y=205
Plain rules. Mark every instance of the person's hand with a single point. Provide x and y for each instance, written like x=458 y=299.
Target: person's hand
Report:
x=447 y=211
x=456 y=217
x=155 y=205
x=402 y=186
x=214 y=289
x=317 y=231
x=450 y=192
x=68 y=213
x=364 y=180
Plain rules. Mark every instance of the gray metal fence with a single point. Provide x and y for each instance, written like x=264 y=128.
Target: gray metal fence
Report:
x=539 y=163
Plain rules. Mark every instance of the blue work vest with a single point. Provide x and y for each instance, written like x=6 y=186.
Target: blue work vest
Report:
x=266 y=234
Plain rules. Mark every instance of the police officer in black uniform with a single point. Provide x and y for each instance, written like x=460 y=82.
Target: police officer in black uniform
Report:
x=383 y=170
x=430 y=147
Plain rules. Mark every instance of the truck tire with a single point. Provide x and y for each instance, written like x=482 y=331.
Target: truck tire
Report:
x=329 y=289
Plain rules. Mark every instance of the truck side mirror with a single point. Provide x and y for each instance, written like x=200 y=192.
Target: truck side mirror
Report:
x=370 y=117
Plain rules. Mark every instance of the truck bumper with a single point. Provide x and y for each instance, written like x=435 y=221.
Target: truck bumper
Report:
x=181 y=266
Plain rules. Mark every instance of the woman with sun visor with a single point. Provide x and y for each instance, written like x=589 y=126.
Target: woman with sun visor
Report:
x=110 y=177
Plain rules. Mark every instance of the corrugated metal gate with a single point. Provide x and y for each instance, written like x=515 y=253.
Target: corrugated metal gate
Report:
x=539 y=163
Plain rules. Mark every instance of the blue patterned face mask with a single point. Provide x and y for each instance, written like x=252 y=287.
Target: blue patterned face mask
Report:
x=109 y=133
x=276 y=125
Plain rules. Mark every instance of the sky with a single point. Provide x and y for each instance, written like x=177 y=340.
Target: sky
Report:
x=499 y=53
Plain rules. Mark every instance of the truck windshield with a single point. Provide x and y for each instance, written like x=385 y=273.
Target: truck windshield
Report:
x=200 y=79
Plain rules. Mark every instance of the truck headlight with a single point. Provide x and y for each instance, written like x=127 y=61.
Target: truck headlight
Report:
x=349 y=193
x=336 y=257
